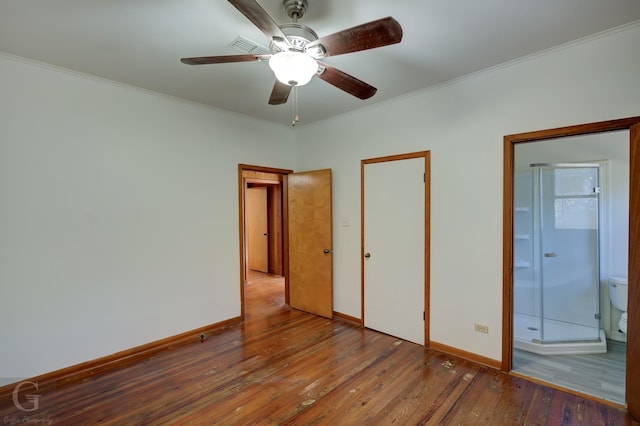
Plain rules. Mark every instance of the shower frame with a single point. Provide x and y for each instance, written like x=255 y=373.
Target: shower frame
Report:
x=541 y=325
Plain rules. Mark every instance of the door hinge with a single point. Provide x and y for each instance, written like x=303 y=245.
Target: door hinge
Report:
x=596 y=190
x=424 y=316
x=596 y=316
x=424 y=177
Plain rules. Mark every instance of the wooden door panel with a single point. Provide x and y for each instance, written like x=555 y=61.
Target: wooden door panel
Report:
x=310 y=242
x=257 y=229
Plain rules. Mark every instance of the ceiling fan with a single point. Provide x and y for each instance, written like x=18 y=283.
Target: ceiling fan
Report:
x=296 y=49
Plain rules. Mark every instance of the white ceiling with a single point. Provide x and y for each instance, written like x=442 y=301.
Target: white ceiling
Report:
x=140 y=42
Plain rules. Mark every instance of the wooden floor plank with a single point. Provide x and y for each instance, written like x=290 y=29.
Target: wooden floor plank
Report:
x=282 y=366
x=439 y=384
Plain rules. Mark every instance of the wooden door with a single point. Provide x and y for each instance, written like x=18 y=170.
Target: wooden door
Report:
x=257 y=229
x=310 y=242
x=394 y=246
x=633 y=320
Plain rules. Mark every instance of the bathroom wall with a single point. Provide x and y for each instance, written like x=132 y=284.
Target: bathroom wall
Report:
x=527 y=298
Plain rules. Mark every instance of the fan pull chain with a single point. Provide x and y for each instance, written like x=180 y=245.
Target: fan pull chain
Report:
x=296 y=117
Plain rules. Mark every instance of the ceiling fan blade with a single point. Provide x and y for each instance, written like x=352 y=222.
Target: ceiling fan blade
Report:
x=279 y=94
x=346 y=82
x=381 y=32
x=261 y=19
x=203 y=60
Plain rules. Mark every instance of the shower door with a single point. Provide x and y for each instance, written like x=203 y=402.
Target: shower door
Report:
x=568 y=252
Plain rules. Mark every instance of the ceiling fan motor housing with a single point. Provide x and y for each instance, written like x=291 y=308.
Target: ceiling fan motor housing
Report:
x=295 y=8
x=298 y=35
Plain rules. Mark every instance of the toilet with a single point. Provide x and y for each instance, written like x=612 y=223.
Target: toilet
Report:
x=618 y=295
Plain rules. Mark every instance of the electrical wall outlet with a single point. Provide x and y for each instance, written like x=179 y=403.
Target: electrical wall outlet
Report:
x=481 y=328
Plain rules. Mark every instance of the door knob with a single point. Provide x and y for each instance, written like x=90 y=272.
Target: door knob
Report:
x=367 y=255
x=326 y=251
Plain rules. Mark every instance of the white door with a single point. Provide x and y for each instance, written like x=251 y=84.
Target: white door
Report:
x=394 y=247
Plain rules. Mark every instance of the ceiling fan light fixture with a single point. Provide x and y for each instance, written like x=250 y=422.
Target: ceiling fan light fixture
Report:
x=293 y=68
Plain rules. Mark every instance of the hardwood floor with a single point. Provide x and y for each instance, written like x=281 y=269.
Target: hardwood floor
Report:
x=283 y=366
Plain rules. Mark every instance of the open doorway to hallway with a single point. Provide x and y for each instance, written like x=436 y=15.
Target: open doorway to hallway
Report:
x=299 y=205
x=262 y=236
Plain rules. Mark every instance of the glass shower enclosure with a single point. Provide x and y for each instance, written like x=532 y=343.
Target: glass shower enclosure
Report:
x=556 y=259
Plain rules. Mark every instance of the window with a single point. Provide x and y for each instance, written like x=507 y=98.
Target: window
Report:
x=576 y=198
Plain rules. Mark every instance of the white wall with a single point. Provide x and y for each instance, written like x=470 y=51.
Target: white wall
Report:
x=463 y=124
x=118 y=215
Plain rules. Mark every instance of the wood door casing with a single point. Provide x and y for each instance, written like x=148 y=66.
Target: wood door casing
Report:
x=633 y=331
x=310 y=242
x=633 y=337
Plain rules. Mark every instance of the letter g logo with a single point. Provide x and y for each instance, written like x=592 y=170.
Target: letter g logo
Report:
x=31 y=398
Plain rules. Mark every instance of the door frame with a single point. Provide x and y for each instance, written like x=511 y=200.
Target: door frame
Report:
x=427 y=229
x=633 y=338
x=261 y=171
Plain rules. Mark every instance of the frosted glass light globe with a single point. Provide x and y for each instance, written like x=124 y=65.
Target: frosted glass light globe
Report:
x=293 y=68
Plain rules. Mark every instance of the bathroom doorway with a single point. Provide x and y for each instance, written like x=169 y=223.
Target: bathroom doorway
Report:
x=614 y=258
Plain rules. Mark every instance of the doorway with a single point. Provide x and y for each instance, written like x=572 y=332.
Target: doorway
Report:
x=511 y=142
x=262 y=198
x=299 y=234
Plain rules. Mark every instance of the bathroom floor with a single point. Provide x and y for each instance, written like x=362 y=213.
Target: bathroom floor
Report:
x=600 y=375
